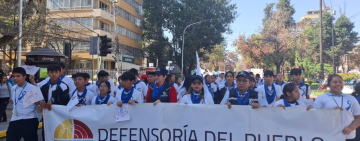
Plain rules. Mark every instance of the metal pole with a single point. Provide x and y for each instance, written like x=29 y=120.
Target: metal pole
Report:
x=92 y=70
x=20 y=33
x=321 y=47
x=98 y=59
x=157 y=63
x=182 y=55
x=121 y=56
x=332 y=38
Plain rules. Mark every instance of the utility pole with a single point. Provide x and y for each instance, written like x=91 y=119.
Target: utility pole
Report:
x=20 y=33
x=321 y=47
x=332 y=38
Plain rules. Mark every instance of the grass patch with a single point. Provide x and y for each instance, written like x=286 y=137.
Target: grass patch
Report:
x=318 y=92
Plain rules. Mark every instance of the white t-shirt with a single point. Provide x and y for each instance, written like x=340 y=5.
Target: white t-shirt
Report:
x=136 y=96
x=88 y=97
x=142 y=88
x=281 y=101
x=349 y=104
x=302 y=91
x=110 y=99
x=262 y=96
x=68 y=81
x=22 y=113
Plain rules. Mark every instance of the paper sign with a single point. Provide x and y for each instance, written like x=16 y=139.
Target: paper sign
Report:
x=30 y=69
x=32 y=96
x=122 y=113
x=73 y=102
x=309 y=102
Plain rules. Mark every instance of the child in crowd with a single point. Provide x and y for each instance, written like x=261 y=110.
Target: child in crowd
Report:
x=197 y=94
x=84 y=96
x=104 y=97
x=128 y=94
x=291 y=97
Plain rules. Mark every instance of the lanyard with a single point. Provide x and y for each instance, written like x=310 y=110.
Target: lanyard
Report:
x=342 y=99
x=20 y=96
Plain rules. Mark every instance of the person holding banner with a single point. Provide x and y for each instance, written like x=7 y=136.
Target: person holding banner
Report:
x=211 y=86
x=104 y=97
x=84 y=96
x=304 y=89
x=223 y=88
x=161 y=92
x=242 y=95
x=185 y=87
x=24 y=121
x=128 y=94
x=335 y=99
x=268 y=93
x=68 y=81
x=291 y=97
x=196 y=93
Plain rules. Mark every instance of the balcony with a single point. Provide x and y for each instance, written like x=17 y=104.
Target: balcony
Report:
x=103 y=14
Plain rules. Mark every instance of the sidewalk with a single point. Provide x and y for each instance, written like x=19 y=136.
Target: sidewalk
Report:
x=4 y=125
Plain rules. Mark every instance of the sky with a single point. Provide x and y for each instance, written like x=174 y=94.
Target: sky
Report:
x=251 y=14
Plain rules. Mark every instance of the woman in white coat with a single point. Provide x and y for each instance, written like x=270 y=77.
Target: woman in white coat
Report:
x=197 y=94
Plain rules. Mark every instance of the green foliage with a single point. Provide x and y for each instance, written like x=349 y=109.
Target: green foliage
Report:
x=174 y=16
x=347 y=77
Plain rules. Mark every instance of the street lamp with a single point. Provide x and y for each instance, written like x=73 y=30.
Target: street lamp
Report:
x=182 y=49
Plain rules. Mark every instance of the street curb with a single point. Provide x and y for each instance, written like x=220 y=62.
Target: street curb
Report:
x=3 y=133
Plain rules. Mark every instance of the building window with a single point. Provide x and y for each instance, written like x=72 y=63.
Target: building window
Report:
x=56 y=5
x=137 y=6
x=72 y=24
x=131 y=18
x=104 y=26
x=104 y=6
x=128 y=33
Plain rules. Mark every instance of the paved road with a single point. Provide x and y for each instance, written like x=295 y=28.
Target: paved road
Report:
x=4 y=125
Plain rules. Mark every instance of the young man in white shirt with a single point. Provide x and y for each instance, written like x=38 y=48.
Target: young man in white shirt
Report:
x=24 y=121
x=304 y=89
x=138 y=85
x=55 y=91
x=101 y=76
x=84 y=96
x=280 y=81
x=268 y=93
x=128 y=94
x=68 y=81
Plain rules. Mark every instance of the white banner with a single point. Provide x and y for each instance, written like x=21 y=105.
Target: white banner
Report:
x=178 y=122
x=31 y=70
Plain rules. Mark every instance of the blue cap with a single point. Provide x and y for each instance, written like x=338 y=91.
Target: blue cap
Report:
x=197 y=77
x=161 y=71
x=242 y=74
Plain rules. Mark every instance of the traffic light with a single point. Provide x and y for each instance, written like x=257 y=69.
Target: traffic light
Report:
x=105 y=44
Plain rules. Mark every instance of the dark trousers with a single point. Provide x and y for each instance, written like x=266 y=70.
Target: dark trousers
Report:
x=25 y=128
x=3 y=104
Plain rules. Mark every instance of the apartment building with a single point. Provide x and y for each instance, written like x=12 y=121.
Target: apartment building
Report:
x=97 y=17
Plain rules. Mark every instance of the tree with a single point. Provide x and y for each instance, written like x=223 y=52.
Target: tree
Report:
x=174 y=16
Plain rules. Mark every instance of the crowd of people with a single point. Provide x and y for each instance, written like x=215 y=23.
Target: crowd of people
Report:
x=242 y=88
